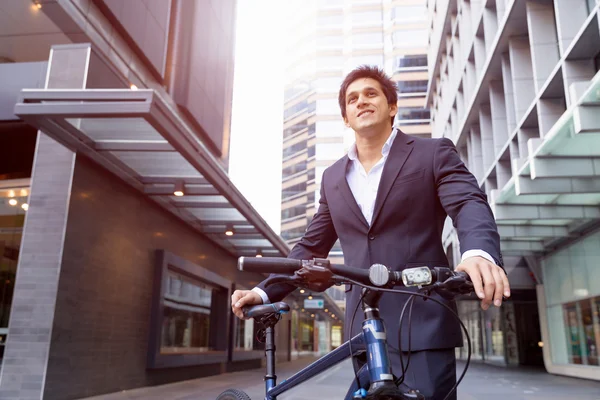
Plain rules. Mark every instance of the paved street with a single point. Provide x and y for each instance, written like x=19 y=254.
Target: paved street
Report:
x=483 y=382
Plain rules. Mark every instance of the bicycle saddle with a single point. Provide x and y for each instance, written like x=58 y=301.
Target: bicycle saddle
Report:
x=257 y=311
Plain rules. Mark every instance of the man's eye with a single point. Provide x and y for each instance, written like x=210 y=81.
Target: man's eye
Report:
x=372 y=94
x=351 y=100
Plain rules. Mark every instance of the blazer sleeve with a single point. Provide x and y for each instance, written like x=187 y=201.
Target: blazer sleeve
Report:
x=465 y=202
x=319 y=238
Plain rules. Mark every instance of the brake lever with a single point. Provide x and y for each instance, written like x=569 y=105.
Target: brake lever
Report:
x=455 y=285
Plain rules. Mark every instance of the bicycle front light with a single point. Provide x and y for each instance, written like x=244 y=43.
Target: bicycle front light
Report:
x=418 y=276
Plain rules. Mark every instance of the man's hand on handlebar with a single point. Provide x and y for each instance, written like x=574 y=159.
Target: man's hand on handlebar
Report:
x=489 y=280
x=241 y=298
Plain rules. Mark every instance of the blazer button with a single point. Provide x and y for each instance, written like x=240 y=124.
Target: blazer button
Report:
x=371 y=237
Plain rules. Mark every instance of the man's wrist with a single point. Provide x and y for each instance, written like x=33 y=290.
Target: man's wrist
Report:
x=263 y=295
x=477 y=253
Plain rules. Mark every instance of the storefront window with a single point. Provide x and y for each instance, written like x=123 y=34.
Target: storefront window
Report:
x=189 y=314
x=583 y=331
x=186 y=319
x=13 y=207
x=573 y=297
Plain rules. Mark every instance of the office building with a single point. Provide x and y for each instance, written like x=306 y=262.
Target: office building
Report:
x=515 y=85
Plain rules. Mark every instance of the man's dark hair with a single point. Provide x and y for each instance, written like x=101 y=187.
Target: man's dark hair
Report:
x=367 y=71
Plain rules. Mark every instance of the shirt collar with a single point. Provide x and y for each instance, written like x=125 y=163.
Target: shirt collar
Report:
x=385 y=150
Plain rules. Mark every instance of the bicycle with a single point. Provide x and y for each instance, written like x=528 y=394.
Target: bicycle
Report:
x=375 y=379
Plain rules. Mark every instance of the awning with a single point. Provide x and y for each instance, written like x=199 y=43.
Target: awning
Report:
x=139 y=136
x=554 y=193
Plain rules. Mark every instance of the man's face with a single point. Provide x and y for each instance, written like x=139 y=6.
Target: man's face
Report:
x=367 y=106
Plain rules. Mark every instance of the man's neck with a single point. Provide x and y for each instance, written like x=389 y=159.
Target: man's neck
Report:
x=369 y=147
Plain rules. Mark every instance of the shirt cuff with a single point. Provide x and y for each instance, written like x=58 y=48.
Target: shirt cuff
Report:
x=262 y=295
x=477 y=253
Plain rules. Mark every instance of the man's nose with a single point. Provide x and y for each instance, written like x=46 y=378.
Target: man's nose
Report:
x=361 y=101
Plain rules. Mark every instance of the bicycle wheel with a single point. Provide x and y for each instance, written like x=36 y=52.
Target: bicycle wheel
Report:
x=233 y=394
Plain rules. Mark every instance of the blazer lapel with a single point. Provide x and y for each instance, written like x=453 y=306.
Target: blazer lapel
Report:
x=347 y=195
x=399 y=152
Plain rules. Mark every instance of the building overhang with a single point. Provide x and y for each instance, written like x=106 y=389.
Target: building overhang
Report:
x=138 y=136
x=553 y=195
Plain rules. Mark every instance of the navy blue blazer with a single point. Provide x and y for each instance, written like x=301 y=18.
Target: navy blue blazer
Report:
x=422 y=182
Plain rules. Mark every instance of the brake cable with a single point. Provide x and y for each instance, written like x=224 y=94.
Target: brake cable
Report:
x=424 y=296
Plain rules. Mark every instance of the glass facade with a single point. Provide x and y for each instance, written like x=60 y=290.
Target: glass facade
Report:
x=13 y=206
x=186 y=316
x=572 y=291
x=486 y=331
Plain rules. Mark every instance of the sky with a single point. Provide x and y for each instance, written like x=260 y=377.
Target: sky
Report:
x=257 y=114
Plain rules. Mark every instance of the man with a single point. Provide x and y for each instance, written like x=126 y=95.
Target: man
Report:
x=387 y=201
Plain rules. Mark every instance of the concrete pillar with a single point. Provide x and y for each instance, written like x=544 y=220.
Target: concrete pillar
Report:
x=523 y=136
x=480 y=55
x=498 y=109
x=476 y=8
x=490 y=27
x=577 y=71
x=460 y=105
x=500 y=9
x=465 y=28
x=549 y=111
x=503 y=173
x=507 y=83
x=476 y=153
x=514 y=152
x=541 y=26
x=570 y=15
x=32 y=313
x=522 y=72
x=470 y=80
x=487 y=136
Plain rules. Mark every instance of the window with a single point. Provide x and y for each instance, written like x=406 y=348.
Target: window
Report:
x=410 y=38
x=330 y=20
x=412 y=61
x=292 y=130
x=327 y=42
x=408 y=13
x=244 y=335
x=12 y=218
x=189 y=314
x=294 y=190
x=412 y=113
x=186 y=316
x=330 y=62
x=412 y=86
x=583 y=331
x=293 y=212
x=356 y=61
x=367 y=18
x=367 y=39
x=328 y=106
x=331 y=128
x=329 y=151
x=328 y=84
x=294 y=169
x=294 y=149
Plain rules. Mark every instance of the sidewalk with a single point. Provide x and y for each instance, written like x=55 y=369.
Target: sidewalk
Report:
x=482 y=382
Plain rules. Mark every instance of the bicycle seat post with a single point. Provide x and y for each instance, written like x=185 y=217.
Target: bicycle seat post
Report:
x=270 y=377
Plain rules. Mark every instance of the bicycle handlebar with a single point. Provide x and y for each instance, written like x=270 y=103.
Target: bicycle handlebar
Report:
x=376 y=275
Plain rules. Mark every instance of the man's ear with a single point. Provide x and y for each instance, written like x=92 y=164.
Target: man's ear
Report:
x=393 y=110
x=346 y=122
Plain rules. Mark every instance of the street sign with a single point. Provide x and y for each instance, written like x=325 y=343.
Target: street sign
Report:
x=314 y=303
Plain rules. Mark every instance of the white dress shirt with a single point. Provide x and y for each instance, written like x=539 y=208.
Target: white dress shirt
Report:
x=364 y=186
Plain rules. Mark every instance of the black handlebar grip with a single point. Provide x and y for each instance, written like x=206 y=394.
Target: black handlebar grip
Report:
x=358 y=274
x=269 y=265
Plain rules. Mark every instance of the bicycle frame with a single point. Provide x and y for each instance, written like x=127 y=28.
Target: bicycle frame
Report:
x=372 y=339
